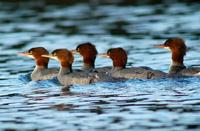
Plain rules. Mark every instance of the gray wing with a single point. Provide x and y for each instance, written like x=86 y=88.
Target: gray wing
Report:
x=103 y=69
x=139 y=72
x=44 y=74
x=189 y=71
x=75 y=78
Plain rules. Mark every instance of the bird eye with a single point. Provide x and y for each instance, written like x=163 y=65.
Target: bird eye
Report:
x=77 y=49
x=54 y=54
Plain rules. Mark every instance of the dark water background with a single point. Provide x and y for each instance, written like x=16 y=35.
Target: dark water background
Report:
x=163 y=104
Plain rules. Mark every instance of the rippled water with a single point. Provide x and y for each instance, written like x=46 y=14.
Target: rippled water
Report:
x=163 y=104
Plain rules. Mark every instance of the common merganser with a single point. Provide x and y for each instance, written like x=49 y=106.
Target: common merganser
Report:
x=89 y=52
x=41 y=70
x=119 y=70
x=178 y=49
x=66 y=76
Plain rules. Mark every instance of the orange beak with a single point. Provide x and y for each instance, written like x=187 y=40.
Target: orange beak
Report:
x=23 y=54
x=26 y=54
x=48 y=56
x=160 y=46
x=104 y=55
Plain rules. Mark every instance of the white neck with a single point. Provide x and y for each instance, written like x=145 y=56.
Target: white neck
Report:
x=37 y=72
x=37 y=68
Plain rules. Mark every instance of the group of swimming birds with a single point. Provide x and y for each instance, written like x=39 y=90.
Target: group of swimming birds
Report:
x=118 y=72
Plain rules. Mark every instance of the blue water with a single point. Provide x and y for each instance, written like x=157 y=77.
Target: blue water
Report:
x=162 y=104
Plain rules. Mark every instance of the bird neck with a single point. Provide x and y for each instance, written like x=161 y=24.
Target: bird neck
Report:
x=41 y=63
x=38 y=69
x=174 y=69
x=177 y=59
x=65 y=68
x=88 y=63
x=177 y=63
x=118 y=65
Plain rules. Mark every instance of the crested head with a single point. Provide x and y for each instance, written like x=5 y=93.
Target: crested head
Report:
x=36 y=53
x=178 y=48
x=87 y=50
x=176 y=45
x=89 y=53
x=63 y=55
x=118 y=56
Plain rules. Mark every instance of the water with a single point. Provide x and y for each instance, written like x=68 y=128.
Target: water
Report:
x=163 y=104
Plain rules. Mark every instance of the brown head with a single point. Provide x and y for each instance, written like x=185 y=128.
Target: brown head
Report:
x=89 y=53
x=36 y=53
x=118 y=56
x=177 y=47
x=64 y=56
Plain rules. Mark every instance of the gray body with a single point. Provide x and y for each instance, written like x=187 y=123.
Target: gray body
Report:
x=180 y=69
x=186 y=71
x=138 y=72
x=133 y=72
x=41 y=73
x=103 y=75
x=67 y=78
x=82 y=77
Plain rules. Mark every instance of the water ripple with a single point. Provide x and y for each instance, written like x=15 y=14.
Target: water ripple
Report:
x=162 y=104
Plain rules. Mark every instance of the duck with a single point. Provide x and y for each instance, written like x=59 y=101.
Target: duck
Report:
x=89 y=53
x=119 y=70
x=41 y=70
x=178 y=49
x=67 y=76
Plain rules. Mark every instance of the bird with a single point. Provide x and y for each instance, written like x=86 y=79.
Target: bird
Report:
x=119 y=70
x=178 y=49
x=89 y=53
x=41 y=70
x=67 y=76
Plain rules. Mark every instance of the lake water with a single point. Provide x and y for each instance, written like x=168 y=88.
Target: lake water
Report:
x=162 y=104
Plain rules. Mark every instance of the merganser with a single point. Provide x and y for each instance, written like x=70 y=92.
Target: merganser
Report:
x=89 y=52
x=66 y=76
x=178 y=48
x=41 y=71
x=119 y=58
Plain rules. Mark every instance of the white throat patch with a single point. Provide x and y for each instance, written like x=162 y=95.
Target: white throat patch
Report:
x=167 y=48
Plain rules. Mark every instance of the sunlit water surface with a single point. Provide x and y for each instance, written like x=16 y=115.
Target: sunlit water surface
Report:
x=162 y=104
